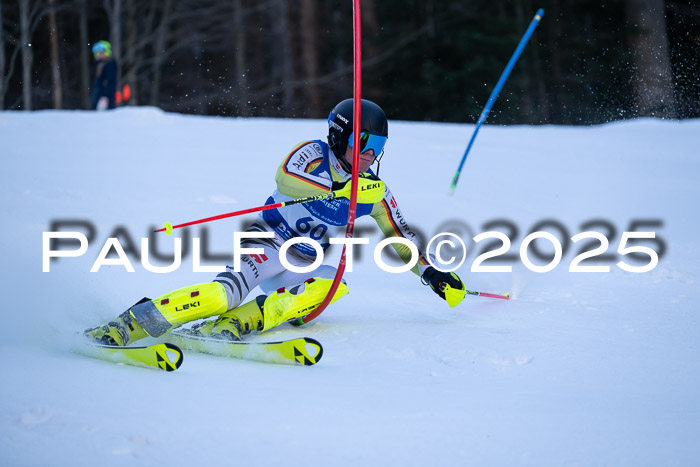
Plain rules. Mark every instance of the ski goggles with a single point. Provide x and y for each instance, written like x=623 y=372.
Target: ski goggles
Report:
x=369 y=141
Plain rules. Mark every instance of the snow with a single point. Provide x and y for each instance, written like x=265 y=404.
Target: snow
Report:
x=577 y=369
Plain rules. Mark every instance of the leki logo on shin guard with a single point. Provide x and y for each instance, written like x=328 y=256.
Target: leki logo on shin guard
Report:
x=187 y=306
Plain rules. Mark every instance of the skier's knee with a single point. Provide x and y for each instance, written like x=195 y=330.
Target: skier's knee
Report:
x=235 y=286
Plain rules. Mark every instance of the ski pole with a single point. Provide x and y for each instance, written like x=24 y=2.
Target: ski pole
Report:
x=455 y=296
x=168 y=228
x=489 y=295
x=494 y=94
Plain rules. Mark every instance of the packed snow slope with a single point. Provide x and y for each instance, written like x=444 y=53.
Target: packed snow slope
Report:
x=579 y=368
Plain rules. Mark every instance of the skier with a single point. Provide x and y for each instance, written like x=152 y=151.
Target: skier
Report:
x=311 y=168
x=104 y=87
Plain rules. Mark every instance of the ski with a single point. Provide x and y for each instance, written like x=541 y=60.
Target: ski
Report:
x=162 y=356
x=299 y=351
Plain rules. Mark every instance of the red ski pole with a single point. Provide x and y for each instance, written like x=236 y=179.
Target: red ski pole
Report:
x=168 y=228
x=489 y=295
x=455 y=296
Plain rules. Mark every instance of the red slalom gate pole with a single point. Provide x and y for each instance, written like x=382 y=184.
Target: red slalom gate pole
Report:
x=357 y=102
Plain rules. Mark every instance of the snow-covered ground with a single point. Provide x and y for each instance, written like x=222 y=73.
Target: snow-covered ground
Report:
x=578 y=369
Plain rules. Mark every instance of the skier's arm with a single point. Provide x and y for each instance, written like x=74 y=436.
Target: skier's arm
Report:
x=392 y=223
x=293 y=175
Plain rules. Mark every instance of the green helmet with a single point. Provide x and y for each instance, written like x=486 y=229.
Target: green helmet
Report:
x=102 y=46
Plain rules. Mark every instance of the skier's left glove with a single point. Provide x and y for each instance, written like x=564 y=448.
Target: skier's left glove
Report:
x=437 y=280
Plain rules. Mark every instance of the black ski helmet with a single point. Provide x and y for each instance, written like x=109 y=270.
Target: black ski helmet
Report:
x=340 y=123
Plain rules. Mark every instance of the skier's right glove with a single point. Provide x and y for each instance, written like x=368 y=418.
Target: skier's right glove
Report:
x=437 y=280
x=370 y=189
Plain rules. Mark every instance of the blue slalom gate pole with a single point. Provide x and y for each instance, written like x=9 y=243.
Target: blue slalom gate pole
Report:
x=494 y=94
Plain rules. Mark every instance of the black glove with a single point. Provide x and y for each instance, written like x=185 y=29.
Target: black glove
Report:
x=436 y=280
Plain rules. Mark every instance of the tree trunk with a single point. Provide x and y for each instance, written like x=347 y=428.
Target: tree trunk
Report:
x=527 y=90
x=114 y=14
x=55 y=62
x=241 y=62
x=3 y=65
x=653 y=81
x=282 y=43
x=84 y=58
x=309 y=56
x=27 y=53
x=370 y=33
x=540 y=87
x=129 y=64
x=159 y=52
x=555 y=103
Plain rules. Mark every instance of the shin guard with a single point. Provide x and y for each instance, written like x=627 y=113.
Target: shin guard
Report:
x=176 y=308
x=285 y=305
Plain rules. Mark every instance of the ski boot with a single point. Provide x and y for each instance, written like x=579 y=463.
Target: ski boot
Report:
x=120 y=332
x=267 y=312
x=235 y=323
x=156 y=317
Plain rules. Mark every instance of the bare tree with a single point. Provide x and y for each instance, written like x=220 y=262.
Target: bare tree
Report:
x=283 y=52
x=241 y=64
x=84 y=57
x=370 y=33
x=7 y=67
x=525 y=72
x=3 y=87
x=114 y=15
x=650 y=50
x=159 y=53
x=27 y=14
x=128 y=65
x=30 y=13
x=158 y=30
x=309 y=57
x=555 y=32
x=55 y=64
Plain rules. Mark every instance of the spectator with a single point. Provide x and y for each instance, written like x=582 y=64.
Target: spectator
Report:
x=105 y=84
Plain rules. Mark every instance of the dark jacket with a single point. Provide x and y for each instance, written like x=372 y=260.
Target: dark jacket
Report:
x=105 y=84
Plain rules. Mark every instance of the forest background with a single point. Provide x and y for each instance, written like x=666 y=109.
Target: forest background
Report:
x=424 y=60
